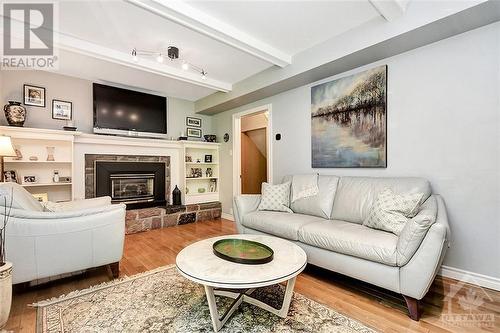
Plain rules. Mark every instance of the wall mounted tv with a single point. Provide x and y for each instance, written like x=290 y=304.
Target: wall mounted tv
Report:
x=120 y=111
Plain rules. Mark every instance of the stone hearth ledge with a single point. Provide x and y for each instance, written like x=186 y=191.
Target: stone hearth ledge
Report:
x=139 y=220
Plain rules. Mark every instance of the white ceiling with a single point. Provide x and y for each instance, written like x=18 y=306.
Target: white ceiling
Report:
x=231 y=40
x=291 y=26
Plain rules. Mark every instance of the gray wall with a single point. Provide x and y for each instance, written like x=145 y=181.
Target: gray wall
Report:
x=443 y=124
x=79 y=92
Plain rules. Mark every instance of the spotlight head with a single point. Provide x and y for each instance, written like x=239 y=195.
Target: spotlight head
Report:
x=134 y=55
x=203 y=74
x=185 y=66
x=159 y=58
x=173 y=52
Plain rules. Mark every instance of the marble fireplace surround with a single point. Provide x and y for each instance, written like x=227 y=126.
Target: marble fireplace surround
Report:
x=90 y=160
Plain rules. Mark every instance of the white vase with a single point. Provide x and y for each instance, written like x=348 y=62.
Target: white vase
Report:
x=5 y=292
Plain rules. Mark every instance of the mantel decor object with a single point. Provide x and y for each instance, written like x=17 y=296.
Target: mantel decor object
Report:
x=243 y=251
x=176 y=196
x=15 y=113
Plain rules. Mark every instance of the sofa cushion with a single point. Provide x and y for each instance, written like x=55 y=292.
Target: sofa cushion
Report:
x=390 y=211
x=318 y=205
x=280 y=224
x=351 y=239
x=356 y=195
x=275 y=197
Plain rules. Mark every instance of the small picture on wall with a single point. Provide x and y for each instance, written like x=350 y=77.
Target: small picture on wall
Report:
x=10 y=176
x=41 y=197
x=34 y=96
x=62 y=110
x=194 y=132
x=193 y=122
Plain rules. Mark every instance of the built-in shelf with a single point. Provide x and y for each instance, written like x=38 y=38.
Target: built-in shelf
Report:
x=201 y=178
x=46 y=162
x=205 y=193
x=203 y=163
x=45 y=184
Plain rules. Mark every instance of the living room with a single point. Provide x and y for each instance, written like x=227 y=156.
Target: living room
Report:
x=126 y=160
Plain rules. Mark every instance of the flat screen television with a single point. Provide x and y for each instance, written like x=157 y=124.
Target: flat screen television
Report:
x=120 y=111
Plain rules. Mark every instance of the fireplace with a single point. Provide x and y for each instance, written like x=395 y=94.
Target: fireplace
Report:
x=137 y=181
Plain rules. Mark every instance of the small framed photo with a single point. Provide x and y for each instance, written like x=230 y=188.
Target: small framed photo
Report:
x=62 y=110
x=41 y=197
x=30 y=179
x=194 y=132
x=208 y=158
x=10 y=176
x=33 y=95
x=193 y=122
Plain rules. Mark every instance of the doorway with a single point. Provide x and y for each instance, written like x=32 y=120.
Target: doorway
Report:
x=252 y=150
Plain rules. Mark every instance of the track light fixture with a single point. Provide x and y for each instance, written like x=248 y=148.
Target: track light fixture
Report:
x=173 y=55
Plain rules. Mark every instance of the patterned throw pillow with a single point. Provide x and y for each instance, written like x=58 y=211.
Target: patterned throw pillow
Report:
x=275 y=197
x=391 y=211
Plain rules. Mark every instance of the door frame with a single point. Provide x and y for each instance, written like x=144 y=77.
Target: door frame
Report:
x=237 y=145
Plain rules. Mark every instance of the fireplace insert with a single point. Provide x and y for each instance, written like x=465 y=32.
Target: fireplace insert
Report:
x=137 y=184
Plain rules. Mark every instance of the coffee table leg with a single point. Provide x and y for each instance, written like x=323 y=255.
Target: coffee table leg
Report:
x=218 y=322
x=285 y=306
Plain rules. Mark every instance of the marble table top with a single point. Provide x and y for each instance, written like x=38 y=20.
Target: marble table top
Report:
x=198 y=263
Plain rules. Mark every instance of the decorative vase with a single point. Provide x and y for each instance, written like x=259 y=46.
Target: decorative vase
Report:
x=5 y=292
x=176 y=196
x=15 y=113
x=50 y=153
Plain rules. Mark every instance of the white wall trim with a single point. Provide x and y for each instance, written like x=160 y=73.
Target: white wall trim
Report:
x=236 y=122
x=470 y=277
x=227 y=216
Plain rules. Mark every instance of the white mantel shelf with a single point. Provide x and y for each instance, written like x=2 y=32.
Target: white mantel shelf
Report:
x=86 y=138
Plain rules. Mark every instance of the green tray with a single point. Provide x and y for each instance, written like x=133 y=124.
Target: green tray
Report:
x=243 y=251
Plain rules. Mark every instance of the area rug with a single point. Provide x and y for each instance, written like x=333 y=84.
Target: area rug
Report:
x=163 y=301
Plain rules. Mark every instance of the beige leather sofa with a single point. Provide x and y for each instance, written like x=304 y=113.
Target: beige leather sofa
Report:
x=329 y=228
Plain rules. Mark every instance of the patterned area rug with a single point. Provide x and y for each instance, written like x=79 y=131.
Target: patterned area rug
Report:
x=164 y=301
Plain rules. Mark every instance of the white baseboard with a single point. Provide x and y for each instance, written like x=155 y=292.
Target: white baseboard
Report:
x=470 y=277
x=227 y=216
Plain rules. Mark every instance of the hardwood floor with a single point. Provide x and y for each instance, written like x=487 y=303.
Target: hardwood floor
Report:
x=370 y=305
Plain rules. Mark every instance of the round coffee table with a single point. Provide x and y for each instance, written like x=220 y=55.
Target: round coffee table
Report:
x=198 y=263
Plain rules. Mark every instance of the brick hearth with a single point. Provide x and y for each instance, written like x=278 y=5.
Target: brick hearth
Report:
x=138 y=220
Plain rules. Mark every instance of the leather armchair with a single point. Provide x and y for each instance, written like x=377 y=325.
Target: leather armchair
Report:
x=62 y=237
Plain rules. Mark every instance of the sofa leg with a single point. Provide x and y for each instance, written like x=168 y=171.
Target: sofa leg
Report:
x=115 y=269
x=414 y=308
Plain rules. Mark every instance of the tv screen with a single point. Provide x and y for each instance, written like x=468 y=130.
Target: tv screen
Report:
x=128 y=110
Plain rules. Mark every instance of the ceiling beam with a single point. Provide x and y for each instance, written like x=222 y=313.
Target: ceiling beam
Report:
x=390 y=9
x=196 y=20
x=79 y=46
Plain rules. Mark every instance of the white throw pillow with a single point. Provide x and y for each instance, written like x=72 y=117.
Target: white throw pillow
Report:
x=275 y=197
x=391 y=211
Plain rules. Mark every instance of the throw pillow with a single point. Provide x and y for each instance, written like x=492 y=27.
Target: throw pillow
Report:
x=275 y=197
x=391 y=211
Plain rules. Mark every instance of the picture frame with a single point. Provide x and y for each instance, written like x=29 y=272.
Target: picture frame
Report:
x=193 y=122
x=194 y=132
x=10 y=176
x=30 y=179
x=208 y=158
x=41 y=197
x=62 y=110
x=34 y=95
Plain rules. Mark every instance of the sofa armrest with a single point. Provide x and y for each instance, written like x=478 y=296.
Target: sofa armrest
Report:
x=415 y=230
x=80 y=204
x=418 y=274
x=33 y=216
x=242 y=205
